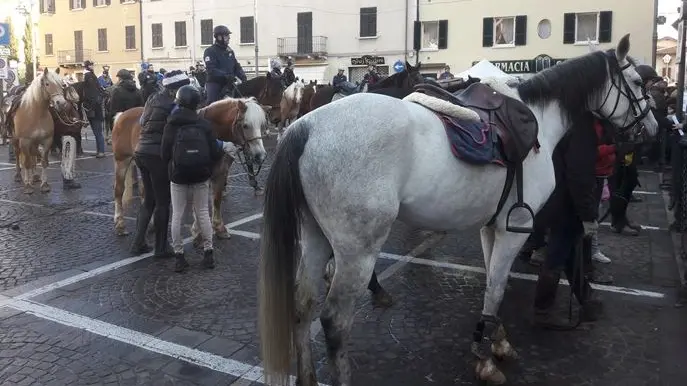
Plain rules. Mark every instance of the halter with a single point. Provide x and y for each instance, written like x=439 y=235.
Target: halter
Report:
x=638 y=113
x=51 y=105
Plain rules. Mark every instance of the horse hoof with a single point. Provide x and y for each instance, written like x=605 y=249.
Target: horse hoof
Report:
x=45 y=188
x=382 y=299
x=28 y=190
x=503 y=351
x=223 y=234
x=17 y=178
x=488 y=372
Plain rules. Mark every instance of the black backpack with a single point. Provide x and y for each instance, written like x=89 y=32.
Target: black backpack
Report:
x=191 y=150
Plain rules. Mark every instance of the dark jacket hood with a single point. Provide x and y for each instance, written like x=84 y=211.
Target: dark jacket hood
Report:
x=183 y=116
x=128 y=85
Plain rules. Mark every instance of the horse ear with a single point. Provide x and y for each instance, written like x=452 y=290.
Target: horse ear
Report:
x=623 y=48
x=419 y=64
x=45 y=71
x=242 y=106
x=408 y=66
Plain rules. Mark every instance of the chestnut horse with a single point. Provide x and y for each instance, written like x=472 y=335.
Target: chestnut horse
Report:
x=34 y=126
x=290 y=105
x=240 y=121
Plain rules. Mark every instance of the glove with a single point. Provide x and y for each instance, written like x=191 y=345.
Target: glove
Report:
x=230 y=149
x=590 y=227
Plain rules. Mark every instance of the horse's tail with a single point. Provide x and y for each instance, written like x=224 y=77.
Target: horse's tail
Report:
x=128 y=184
x=284 y=202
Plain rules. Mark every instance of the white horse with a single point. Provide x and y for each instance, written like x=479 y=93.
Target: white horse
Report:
x=290 y=105
x=340 y=180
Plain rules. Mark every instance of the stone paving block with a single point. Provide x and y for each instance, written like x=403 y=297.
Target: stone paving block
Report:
x=184 y=337
x=221 y=346
x=197 y=374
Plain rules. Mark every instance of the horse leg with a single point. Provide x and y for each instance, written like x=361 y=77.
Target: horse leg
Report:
x=45 y=163
x=27 y=159
x=17 y=159
x=315 y=253
x=121 y=170
x=219 y=183
x=380 y=297
x=490 y=334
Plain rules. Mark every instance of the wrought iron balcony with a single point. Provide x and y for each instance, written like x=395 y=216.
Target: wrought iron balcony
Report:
x=73 y=57
x=302 y=46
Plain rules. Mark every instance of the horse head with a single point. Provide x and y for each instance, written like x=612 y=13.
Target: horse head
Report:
x=271 y=94
x=249 y=125
x=47 y=88
x=413 y=76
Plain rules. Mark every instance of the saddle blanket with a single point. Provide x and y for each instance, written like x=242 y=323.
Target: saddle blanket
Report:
x=471 y=139
x=473 y=142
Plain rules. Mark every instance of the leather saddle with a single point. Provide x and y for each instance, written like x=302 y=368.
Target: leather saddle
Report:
x=515 y=125
x=14 y=105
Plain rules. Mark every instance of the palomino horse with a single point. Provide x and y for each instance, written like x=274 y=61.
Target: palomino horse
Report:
x=240 y=121
x=327 y=192
x=290 y=105
x=34 y=126
x=308 y=91
x=397 y=85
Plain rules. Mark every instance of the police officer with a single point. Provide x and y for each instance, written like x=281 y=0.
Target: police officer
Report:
x=221 y=64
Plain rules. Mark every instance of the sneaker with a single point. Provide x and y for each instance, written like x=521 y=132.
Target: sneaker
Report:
x=601 y=258
x=100 y=155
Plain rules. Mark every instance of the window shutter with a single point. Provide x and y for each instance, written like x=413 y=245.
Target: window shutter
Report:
x=443 y=34
x=51 y=6
x=41 y=8
x=108 y=2
x=520 y=30
x=605 y=26
x=95 y=3
x=569 y=28
x=71 y=5
x=487 y=32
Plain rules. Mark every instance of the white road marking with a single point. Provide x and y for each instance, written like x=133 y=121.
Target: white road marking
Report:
x=57 y=161
x=645 y=192
x=31 y=204
x=646 y=227
x=468 y=268
x=144 y=341
x=111 y=266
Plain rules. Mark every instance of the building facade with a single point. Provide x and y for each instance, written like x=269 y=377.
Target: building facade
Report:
x=666 y=58
x=106 y=32
x=318 y=38
x=524 y=37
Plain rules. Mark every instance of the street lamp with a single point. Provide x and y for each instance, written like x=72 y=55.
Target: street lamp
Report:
x=21 y=8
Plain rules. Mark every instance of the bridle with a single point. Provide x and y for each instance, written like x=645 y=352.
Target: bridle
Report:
x=618 y=82
x=57 y=114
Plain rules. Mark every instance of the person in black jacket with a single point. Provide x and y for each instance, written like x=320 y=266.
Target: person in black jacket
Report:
x=570 y=213
x=125 y=95
x=222 y=66
x=191 y=150
x=93 y=104
x=289 y=77
x=147 y=79
x=156 y=199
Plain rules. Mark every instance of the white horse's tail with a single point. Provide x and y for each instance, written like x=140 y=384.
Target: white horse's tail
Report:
x=128 y=183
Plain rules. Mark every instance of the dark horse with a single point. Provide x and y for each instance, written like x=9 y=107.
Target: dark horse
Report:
x=267 y=89
x=398 y=85
x=72 y=127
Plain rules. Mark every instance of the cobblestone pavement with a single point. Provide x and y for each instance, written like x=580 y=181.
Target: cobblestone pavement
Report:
x=76 y=308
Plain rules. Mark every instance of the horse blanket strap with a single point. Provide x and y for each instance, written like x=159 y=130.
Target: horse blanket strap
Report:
x=510 y=174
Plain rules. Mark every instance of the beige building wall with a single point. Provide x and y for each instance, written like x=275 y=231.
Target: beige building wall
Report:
x=465 y=25
x=61 y=22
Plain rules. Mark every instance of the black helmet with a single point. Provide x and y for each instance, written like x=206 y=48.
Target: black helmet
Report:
x=647 y=73
x=220 y=30
x=188 y=96
x=124 y=74
x=88 y=63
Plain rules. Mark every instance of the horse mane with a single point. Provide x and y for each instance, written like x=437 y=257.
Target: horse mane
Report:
x=255 y=115
x=290 y=91
x=34 y=93
x=571 y=83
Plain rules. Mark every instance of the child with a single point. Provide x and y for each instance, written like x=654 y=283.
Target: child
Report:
x=191 y=150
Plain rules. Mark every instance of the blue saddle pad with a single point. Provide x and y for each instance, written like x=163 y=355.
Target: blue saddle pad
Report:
x=473 y=142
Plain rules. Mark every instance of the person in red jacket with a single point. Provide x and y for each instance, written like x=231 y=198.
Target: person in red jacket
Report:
x=605 y=162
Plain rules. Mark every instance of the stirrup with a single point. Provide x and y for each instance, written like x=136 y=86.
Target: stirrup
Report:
x=517 y=229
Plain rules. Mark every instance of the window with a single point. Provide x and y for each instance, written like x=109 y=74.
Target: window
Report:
x=509 y=31
x=434 y=35
x=102 y=39
x=180 y=34
x=156 y=32
x=580 y=28
x=544 y=29
x=130 y=37
x=247 y=34
x=77 y=4
x=48 y=44
x=101 y=3
x=368 y=22
x=47 y=6
x=206 y=37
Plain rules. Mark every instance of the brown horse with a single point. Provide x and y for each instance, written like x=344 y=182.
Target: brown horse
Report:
x=34 y=126
x=267 y=90
x=290 y=105
x=240 y=121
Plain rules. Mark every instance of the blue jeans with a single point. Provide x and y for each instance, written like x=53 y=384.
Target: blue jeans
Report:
x=97 y=127
x=213 y=92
